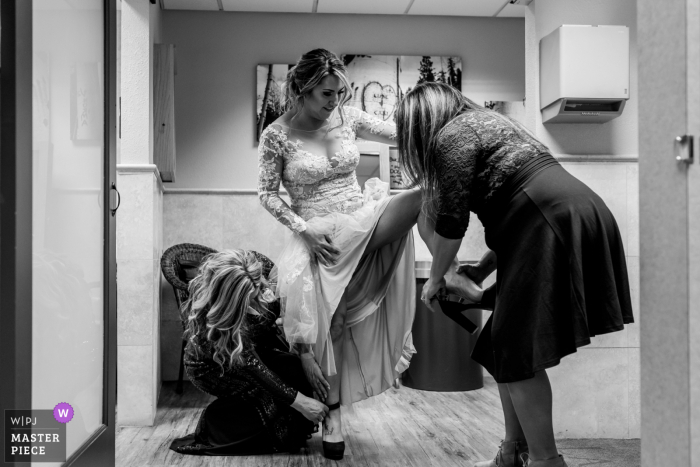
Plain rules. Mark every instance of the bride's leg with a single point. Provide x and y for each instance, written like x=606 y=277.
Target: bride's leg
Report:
x=332 y=424
x=397 y=219
x=400 y=216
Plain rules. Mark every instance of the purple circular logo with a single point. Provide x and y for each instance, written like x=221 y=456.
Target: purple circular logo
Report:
x=63 y=412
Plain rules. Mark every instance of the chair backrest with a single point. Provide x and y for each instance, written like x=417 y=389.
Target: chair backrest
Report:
x=180 y=264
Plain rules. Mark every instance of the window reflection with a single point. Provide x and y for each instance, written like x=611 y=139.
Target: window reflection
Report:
x=67 y=233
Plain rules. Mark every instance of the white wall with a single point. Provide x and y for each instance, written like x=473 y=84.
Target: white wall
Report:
x=139 y=222
x=596 y=390
x=67 y=216
x=617 y=137
x=217 y=54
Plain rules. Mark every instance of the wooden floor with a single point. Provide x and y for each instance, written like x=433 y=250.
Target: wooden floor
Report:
x=403 y=427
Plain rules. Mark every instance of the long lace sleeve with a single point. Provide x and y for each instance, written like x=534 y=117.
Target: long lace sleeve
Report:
x=372 y=128
x=272 y=146
x=266 y=378
x=456 y=155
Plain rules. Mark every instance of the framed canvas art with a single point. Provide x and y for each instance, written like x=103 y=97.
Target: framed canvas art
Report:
x=379 y=81
x=270 y=99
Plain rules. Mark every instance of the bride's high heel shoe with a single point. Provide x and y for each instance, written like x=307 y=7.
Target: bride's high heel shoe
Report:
x=452 y=305
x=333 y=451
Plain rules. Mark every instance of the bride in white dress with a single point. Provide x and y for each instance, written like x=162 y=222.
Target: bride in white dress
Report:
x=346 y=277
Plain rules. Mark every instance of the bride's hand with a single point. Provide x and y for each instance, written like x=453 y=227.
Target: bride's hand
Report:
x=430 y=289
x=320 y=245
x=314 y=375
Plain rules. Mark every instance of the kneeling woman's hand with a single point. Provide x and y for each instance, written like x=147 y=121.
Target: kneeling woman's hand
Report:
x=312 y=409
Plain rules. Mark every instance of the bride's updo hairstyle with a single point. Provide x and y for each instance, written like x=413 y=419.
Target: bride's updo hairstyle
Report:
x=311 y=68
x=422 y=114
x=219 y=299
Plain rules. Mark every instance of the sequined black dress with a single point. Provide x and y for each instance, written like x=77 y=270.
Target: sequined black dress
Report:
x=252 y=413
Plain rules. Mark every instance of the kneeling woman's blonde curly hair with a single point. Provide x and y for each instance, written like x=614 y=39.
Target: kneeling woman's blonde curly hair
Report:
x=228 y=283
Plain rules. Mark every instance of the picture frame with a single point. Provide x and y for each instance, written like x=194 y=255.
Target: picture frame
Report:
x=270 y=100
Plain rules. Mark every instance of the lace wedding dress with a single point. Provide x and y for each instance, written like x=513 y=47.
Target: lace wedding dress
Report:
x=379 y=286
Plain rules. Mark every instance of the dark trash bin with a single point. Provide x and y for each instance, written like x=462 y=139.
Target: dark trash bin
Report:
x=442 y=361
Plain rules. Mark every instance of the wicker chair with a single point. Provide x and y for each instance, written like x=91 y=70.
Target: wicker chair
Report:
x=180 y=264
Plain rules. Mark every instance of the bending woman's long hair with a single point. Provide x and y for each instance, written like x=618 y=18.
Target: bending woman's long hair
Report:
x=219 y=299
x=421 y=116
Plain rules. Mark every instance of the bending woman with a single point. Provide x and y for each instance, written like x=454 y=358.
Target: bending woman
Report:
x=346 y=277
x=264 y=402
x=561 y=277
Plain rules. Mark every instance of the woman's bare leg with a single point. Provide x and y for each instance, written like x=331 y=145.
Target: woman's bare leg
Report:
x=332 y=423
x=532 y=400
x=397 y=219
x=400 y=216
x=514 y=432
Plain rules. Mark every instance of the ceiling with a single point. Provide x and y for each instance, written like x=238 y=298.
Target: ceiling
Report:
x=500 y=8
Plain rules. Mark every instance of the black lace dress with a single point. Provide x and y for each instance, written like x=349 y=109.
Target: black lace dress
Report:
x=252 y=413
x=562 y=275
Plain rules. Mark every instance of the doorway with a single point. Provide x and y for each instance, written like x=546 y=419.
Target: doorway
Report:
x=57 y=243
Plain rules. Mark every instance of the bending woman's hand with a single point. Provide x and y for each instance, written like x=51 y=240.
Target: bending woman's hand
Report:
x=473 y=272
x=314 y=376
x=320 y=245
x=430 y=289
x=480 y=271
x=312 y=409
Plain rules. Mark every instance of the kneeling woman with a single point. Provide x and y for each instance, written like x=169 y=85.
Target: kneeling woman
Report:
x=263 y=400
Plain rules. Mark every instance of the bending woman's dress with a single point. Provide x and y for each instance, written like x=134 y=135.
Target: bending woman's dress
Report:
x=379 y=287
x=562 y=276
x=252 y=413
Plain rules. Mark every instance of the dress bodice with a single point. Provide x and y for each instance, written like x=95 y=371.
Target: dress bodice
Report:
x=316 y=168
x=475 y=154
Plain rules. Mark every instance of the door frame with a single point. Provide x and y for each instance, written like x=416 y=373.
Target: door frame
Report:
x=16 y=206
x=99 y=449
x=16 y=225
x=669 y=195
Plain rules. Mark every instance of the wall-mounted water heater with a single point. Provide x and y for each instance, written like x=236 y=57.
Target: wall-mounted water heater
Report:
x=584 y=73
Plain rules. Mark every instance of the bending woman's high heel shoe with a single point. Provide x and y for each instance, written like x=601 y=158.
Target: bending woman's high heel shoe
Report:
x=333 y=451
x=509 y=455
